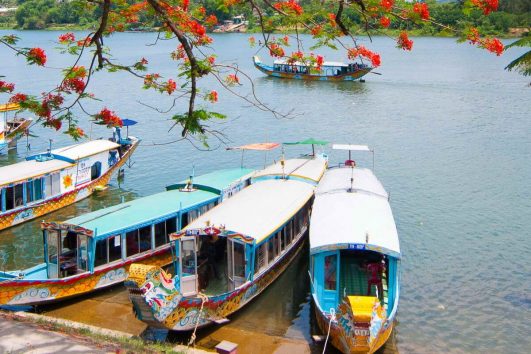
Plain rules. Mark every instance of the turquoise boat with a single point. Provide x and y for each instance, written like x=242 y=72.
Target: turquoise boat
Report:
x=354 y=258
x=95 y=250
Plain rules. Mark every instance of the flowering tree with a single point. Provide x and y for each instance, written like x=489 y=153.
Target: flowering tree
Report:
x=330 y=23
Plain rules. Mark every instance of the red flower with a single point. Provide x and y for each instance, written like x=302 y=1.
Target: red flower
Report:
x=473 y=35
x=319 y=62
x=252 y=41
x=18 y=98
x=211 y=59
x=422 y=10
x=275 y=50
x=84 y=42
x=364 y=52
x=487 y=6
x=108 y=118
x=75 y=84
x=185 y=5
x=387 y=4
x=211 y=20
x=36 y=56
x=316 y=30
x=171 y=86
x=67 y=38
x=404 y=42
x=212 y=96
x=290 y=6
x=6 y=86
x=493 y=45
x=232 y=79
x=385 y=22
x=332 y=18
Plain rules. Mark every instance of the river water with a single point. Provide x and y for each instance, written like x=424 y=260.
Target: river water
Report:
x=451 y=132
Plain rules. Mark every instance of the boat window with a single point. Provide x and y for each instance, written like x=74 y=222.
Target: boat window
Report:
x=10 y=198
x=19 y=195
x=69 y=254
x=131 y=242
x=95 y=171
x=239 y=260
x=144 y=238
x=283 y=238
x=53 y=186
x=291 y=231
x=115 y=247
x=330 y=272
x=52 y=242
x=260 y=260
x=34 y=190
x=184 y=220
x=161 y=237
x=82 y=254
x=192 y=215
x=171 y=226
x=271 y=250
x=101 y=253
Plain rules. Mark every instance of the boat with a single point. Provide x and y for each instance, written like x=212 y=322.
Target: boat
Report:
x=232 y=253
x=237 y=24
x=95 y=250
x=48 y=181
x=11 y=128
x=329 y=71
x=354 y=258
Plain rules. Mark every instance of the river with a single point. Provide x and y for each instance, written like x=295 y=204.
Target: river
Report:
x=450 y=129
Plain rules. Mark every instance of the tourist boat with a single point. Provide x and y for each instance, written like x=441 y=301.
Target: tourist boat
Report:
x=11 y=128
x=49 y=181
x=330 y=71
x=354 y=258
x=229 y=255
x=95 y=250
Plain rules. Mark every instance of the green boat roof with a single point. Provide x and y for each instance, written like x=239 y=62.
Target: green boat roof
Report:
x=142 y=211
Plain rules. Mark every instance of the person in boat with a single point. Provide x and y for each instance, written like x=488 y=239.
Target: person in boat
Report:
x=208 y=251
x=374 y=276
x=330 y=272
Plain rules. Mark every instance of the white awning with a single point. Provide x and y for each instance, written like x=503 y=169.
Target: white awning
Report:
x=343 y=219
x=86 y=149
x=312 y=169
x=258 y=210
x=350 y=147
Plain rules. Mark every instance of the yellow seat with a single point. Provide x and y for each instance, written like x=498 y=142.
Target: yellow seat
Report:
x=362 y=307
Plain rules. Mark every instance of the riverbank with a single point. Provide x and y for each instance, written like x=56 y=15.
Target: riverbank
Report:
x=32 y=333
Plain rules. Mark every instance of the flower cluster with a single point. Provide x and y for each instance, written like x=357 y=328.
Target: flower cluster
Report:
x=6 y=86
x=36 y=56
x=487 y=6
x=289 y=7
x=18 y=98
x=108 y=118
x=212 y=96
x=385 y=22
x=316 y=30
x=404 y=42
x=232 y=79
x=275 y=50
x=366 y=53
x=252 y=41
x=67 y=38
x=493 y=45
x=387 y=4
x=422 y=10
x=170 y=86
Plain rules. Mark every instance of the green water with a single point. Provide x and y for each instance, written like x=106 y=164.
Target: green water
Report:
x=451 y=133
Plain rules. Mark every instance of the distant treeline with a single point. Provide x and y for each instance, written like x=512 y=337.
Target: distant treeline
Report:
x=41 y=14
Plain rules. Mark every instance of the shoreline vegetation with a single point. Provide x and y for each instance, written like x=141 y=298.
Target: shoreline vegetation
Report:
x=511 y=21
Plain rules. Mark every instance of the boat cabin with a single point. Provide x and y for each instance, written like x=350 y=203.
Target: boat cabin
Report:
x=11 y=127
x=47 y=175
x=327 y=69
x=247 y=236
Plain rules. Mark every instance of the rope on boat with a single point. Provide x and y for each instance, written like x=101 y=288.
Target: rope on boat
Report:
x=204 y=299
x=332 y=319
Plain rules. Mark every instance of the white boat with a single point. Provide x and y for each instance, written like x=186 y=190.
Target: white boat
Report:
x=354 y=258
x=49 y=181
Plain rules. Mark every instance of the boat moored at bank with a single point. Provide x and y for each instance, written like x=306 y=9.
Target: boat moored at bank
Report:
x=354 y=258
x=232 y=253
x=95 y=250
x=51 y=180
x=328 y=71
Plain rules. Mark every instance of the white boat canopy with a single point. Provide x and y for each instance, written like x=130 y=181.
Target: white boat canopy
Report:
x=312 y=169
x=296 y=63
x=358 y=219
x=258 y=210
x=32 y=168
x=350 y=147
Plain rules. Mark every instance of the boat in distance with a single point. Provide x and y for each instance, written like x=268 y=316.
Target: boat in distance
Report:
x=11 y=128
x=330 y=71
x=95 y=250
x=232 y=253
x=354 y=258
x=48 y=181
